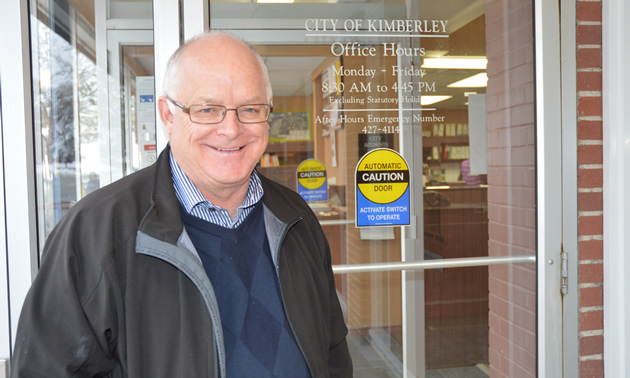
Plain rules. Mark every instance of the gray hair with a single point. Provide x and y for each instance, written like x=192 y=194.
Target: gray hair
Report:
x=170 y=83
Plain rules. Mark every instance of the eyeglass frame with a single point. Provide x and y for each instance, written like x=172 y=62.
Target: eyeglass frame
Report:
x=187 y=111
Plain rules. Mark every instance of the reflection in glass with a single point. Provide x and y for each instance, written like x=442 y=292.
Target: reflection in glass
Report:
x=138 y=92
x=465 y=97
x=72 y=140
x=475 y=147
x=66 y=112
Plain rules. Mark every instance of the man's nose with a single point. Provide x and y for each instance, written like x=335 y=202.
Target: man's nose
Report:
x=230 y=126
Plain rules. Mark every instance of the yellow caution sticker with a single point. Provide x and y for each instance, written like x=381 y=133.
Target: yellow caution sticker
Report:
x=382 y=176
x=311 y=174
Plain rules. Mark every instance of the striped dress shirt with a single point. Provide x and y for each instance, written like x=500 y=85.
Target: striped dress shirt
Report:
x=196 y=204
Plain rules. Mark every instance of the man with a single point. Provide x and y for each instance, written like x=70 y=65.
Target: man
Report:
x=195 y=266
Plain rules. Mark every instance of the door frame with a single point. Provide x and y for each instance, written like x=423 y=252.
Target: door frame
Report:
x=568 y=105
x=616 y=182
x=18 y=224
x=548 y=187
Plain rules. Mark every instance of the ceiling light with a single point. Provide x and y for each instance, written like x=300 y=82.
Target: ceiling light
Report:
x=428 y=100
x=457 y=63
x=476 y=81
x=275 y=1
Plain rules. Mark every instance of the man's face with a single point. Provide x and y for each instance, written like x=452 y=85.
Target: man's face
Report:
x=218 y=158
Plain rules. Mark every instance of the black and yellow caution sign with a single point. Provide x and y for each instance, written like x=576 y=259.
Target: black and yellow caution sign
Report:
x=382 y=189
x=311 y=181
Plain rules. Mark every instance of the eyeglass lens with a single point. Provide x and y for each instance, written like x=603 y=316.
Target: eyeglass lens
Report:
x=215 y=113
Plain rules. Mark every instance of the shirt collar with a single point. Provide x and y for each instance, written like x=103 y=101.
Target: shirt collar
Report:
x=190 y=196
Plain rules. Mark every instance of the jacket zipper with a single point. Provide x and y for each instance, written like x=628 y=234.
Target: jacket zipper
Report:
x=283 y=234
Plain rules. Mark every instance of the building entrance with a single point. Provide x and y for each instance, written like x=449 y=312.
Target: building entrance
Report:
x=408 y=127
x=449 y=88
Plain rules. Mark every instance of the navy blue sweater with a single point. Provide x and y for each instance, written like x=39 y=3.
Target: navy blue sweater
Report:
x=258 y=339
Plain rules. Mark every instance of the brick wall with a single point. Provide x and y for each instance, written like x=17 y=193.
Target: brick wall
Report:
x=590 y=182
x=512 y=186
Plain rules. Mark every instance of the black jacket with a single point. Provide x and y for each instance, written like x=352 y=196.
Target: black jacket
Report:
x=122 y=293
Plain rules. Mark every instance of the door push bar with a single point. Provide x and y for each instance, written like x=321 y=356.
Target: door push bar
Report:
x=433 y=264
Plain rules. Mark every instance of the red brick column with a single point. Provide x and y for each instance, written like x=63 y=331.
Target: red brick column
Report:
x=590 y=184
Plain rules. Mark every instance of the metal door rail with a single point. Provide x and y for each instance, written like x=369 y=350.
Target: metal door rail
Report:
x=433 y=264
x=336 y=222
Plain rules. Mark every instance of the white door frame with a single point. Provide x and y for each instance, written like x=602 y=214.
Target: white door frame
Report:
x=166 y=32
x=570 y=297
x=616 y=133
x=549 y=187
x=18 y=225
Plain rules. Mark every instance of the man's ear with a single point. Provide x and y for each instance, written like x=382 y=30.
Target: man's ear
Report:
x=165 y=114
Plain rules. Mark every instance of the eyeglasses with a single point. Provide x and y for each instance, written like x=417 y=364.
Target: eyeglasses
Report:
x=209 y=114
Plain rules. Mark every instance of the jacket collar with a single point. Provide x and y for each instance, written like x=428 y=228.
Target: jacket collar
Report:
x=163 y=220
x=277 y=202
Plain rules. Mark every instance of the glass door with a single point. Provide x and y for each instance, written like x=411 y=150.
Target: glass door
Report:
x=94 y=114
x=132 y=99
x=421 y=114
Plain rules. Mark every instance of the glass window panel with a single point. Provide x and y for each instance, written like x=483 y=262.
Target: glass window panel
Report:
x=138 y=92
x=76 y=142
x=299 y=11
x=139 y=9
x=454 y=96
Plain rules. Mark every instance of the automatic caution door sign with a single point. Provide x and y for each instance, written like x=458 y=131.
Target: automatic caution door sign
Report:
x=382 y=189
x=311 y=181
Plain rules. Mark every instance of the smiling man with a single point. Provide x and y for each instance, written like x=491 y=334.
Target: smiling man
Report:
x=196 y=266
